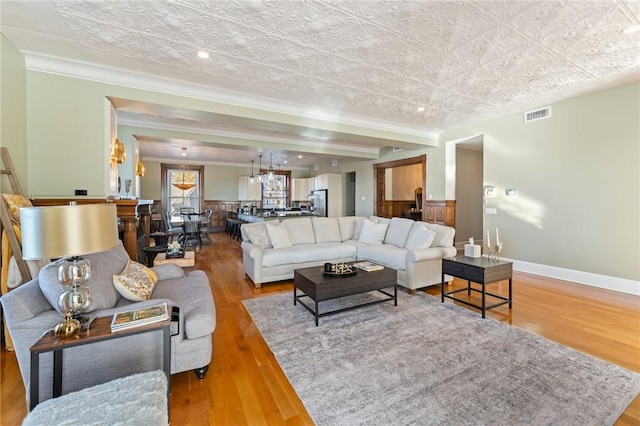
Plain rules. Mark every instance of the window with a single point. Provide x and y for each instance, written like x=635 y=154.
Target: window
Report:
x=182 y=188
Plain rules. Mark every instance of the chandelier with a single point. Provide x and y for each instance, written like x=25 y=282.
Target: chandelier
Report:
x=184 y=179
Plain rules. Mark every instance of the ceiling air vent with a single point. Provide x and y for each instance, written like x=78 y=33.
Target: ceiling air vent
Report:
x=538 y=114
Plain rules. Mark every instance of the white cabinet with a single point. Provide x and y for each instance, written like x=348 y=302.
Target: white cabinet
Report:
x=249 y=191
x=322 y=181
x=300 y=189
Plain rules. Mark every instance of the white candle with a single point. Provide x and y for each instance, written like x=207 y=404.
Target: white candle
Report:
x=497 y=237
x=488 y=239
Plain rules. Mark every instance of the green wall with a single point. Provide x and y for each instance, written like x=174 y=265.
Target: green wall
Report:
x=13 y=112
x=578 y=181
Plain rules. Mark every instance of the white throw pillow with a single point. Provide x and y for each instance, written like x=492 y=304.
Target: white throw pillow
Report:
x=258 y=235
x=300 y=230
x=420 y=238
x=372 y=233
x=399 y=229
x=357 y=228
x=278 y=235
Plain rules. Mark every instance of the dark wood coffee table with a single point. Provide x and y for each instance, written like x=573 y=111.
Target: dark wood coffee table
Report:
x=319 y=287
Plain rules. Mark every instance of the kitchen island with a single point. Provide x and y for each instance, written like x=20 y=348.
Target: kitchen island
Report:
x=284 y=214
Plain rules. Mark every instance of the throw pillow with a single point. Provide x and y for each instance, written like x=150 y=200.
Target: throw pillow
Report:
x=136 y=282
x=15 y=202
x=357 y=228
x=278 y=235
x=398 y=231
x=258 y=235
x=420 y=238
x=372 y=233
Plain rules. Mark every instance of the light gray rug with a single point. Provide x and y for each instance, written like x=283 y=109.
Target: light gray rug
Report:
x=426 y=363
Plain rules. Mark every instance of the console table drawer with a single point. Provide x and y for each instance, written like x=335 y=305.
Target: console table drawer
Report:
x=467 y=272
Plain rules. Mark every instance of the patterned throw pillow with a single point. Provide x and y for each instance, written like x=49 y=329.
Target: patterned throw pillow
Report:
x=15 y=202
x=136 y=282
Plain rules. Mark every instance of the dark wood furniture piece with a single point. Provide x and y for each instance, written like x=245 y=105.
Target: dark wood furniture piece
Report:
x=319 y=287
x=99 y=330
x=152 y=252
x=479 y=270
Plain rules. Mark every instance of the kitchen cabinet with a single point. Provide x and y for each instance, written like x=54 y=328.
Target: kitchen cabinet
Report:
x=248 y=191
x=300 y=188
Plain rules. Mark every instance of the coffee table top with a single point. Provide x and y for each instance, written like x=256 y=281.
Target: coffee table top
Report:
x=187 y=261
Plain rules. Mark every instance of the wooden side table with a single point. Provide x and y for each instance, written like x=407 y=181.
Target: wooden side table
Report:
x=479 y=270
x=100 y=330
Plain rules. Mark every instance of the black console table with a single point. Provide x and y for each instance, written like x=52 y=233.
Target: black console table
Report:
x=479 y=270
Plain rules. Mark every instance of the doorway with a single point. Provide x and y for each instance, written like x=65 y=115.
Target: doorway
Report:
x=381 y=207
x=350 y=194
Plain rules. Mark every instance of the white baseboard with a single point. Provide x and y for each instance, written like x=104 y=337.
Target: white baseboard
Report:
x=622 y=285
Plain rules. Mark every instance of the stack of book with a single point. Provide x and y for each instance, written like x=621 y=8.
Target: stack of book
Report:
x=136 y=318
x=368 y=266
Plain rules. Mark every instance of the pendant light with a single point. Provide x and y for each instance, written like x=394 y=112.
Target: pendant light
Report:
x=185 y=179
x=270 y=171
x=252 y=178
x=260 y=174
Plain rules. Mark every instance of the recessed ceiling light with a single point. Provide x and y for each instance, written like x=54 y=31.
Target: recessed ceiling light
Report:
x=203 y=54
x=299 y=156
x=420 y=109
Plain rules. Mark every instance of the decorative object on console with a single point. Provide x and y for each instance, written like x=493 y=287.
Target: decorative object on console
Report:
x=174 y=251
x=69 y=232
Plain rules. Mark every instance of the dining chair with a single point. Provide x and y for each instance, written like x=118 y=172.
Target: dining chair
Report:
x=205 y=226
x=192 y=228
x=170 y=229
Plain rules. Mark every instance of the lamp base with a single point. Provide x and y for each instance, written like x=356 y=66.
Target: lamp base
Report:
x=67 y=328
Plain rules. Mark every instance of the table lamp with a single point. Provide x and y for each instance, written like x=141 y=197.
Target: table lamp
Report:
x=69 y=232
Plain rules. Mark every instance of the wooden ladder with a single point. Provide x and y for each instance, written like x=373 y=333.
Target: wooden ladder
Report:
x=5 y=216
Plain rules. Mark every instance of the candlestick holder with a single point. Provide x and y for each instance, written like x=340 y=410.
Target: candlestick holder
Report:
x=494 y=254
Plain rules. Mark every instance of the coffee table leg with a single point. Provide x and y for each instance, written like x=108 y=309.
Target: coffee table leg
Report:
x=442 y=289
x=295 y=301
x=34 y=395
x=395 y=295
x=317 y=312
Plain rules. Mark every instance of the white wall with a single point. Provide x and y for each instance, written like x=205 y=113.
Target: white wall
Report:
x=578 y=181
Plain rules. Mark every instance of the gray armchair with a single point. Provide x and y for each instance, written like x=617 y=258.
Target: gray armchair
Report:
x=29 y=314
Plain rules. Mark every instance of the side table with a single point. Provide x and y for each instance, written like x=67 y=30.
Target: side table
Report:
x=100 y=330
x=152 y=252
x=479 y=270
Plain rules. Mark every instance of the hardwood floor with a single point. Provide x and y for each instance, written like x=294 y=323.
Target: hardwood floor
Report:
x=245 y=385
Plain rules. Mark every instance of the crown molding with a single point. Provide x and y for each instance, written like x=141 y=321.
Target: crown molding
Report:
x=110 y=75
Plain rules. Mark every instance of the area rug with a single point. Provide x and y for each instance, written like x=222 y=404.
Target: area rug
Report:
x=428 y=363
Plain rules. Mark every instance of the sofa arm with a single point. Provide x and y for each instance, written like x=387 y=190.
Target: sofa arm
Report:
x=430 y=253
x=252 y=250
x=24 y=302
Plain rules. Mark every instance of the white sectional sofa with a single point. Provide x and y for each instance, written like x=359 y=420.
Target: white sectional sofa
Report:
x=272 y=250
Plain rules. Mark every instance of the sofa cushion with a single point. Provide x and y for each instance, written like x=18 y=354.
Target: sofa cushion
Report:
x=104 y=266
x=257 y=234
x=326 y=230
x=278 y=235
x=398 y=231
x=300 y=230
x=136 y=282
x=308 y=253
x=372 y=233
x=385 y=254
x=420 y=238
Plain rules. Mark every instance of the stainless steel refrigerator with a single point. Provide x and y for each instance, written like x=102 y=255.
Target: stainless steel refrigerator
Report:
x=320 y=202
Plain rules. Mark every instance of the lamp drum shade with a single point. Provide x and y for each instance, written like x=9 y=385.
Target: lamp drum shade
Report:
x=63 y=231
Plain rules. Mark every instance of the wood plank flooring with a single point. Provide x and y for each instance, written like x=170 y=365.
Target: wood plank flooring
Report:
x=245 y=385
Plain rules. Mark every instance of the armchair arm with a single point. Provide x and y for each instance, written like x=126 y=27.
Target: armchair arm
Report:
x=168 y=271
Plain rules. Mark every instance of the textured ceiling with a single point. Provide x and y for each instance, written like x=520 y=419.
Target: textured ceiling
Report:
x=379 y=61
